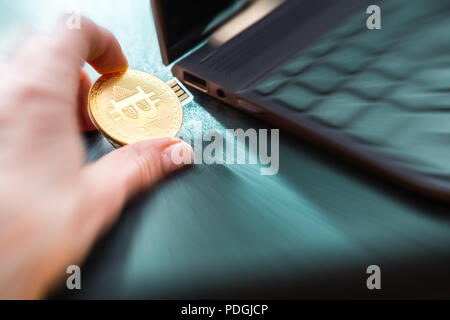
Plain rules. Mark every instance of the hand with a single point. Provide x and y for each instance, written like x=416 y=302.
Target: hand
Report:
x=53 y=206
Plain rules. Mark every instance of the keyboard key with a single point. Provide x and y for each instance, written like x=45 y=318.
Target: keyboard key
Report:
x=372 y=85
x=321 y=79
x=297 y=65
x=432 y=156
x=295 y=97
x=395 y=65
x=379 y=123
x=348 y=59
x=425 y=142
x=338 y=109
x=434 y=79
x=270 y=84
x=419 y=98
x=323 y=46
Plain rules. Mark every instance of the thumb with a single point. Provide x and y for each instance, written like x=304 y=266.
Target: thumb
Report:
x=116 y=177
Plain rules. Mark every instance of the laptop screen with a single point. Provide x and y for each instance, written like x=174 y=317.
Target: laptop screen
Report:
x=183 y=24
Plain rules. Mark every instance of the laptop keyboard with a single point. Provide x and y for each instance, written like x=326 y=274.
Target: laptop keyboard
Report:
x=386 y=89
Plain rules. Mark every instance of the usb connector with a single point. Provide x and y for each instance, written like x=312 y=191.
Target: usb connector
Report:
x=184 y=96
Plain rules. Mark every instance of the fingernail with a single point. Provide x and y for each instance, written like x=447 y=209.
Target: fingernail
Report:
x=176 y=156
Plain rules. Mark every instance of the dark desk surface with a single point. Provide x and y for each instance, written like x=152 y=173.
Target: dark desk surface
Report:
x=227 y=231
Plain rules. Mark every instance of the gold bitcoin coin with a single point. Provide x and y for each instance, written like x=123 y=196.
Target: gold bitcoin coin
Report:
x=134 y=106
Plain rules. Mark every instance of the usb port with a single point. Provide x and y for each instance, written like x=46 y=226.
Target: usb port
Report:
x=195 y=82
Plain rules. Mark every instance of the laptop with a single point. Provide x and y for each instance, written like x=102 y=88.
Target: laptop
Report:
x=379 y=98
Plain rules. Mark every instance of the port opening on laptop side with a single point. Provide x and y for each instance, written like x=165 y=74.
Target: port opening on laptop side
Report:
x=196 y=82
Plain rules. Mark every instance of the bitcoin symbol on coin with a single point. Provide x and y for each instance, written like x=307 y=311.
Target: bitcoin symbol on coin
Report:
x=139 y=109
